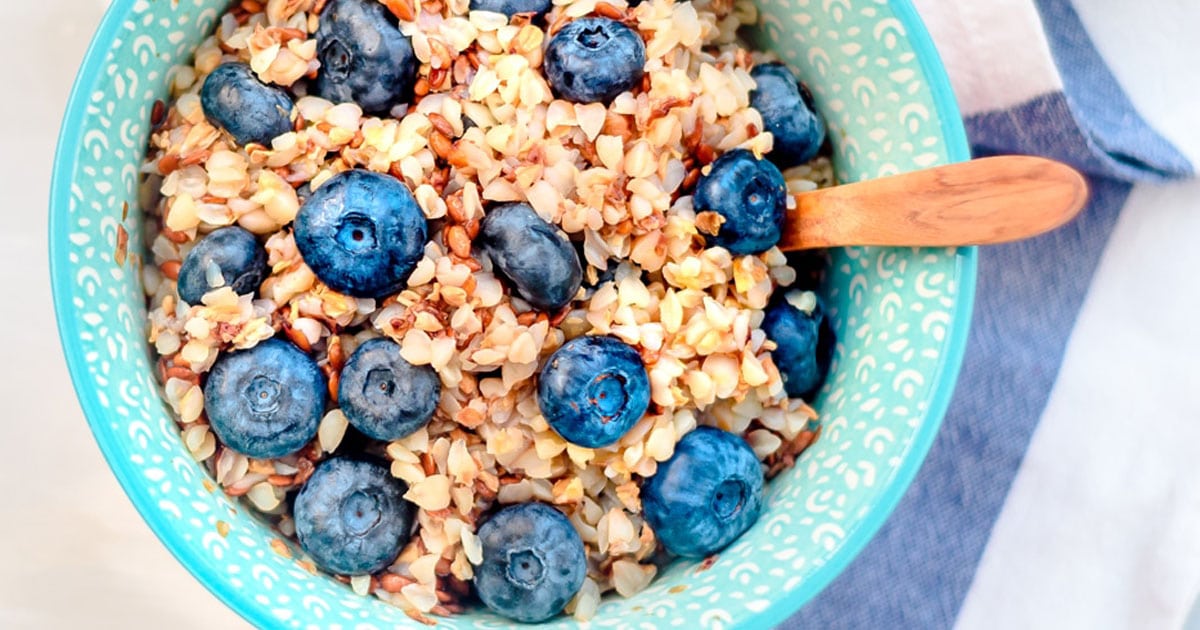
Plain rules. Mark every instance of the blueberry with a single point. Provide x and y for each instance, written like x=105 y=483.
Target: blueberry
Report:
x=593 y=59
x=593 y=390
x=236 y=256
x=512 y=7
x=385 y=396
x=533 y=562
x=251 y=111
x=351 y=516
x=365 y=59
x=805 y=341
x=788 y=113
x=533 y=255
x=265 y=401
x=706 y=495
x=361 y=233
x=751 y=196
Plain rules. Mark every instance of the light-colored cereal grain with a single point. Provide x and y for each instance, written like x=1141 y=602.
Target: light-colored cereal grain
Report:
x=763 y=442
x=331 y=430
x=472 y=547
x=421 y=596
x=583 y=606
x=430 y=493
x=191 y=404
x=360 y=584
x=423 y=568
x=264 y=496
x=629 y=578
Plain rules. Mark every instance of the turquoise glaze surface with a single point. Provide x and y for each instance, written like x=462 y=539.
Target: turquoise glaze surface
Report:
x=902 y=315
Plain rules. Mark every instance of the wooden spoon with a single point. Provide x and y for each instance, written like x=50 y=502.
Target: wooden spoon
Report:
x=980 y=202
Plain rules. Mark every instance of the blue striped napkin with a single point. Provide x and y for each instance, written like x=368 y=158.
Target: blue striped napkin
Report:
x=1032 y=84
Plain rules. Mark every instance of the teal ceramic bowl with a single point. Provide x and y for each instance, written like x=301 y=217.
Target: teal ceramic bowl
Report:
x=902 y=315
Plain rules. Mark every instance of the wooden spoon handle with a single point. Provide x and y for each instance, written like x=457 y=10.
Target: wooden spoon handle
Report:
x=984 y=201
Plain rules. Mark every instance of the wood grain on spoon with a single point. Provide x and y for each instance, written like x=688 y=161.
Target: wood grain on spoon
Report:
x=980 y=202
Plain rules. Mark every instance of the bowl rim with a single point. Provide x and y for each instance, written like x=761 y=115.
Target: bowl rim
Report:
x=946 y=374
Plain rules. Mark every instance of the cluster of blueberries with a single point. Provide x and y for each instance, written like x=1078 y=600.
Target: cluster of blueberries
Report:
x=362 y=234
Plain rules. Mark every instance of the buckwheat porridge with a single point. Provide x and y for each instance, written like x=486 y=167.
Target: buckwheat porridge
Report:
x=481 y=298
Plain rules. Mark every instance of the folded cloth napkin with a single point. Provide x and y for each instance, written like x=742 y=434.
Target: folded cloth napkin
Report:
x=1030 y=81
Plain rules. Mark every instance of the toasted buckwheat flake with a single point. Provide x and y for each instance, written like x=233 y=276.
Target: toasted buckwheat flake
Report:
x=485 y=127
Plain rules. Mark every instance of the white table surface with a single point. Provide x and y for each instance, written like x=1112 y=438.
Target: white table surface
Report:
x=77 y=555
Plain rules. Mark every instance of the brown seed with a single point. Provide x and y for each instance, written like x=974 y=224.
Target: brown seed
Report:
x=286 y=33
x=298 y=338
x=442 y=125
x=182 y=373
x=560 y=316
x=444 y=597
x=440 y=144
x=705 y=154
x=472 y=227
x=122 y=245
x=237 y=492
x=665 y=106
x=175 y=237
x=427 y=464
x=337 y=357
x=170 y=269
x=252 y=6
x=751 y=130
x=158 y=113
x=334 y=380
x=527 y=318
x=458 y=241
x=401 y=9
x=690 y=179
x=300 y=123
x=421 y=88
x=195 y=157
x=437 y=76
x=392 y=583
x=457 y=158
x=357 y=140
x=280 y=480
x=469 y=286
x=168 y=164
x=454 y=208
